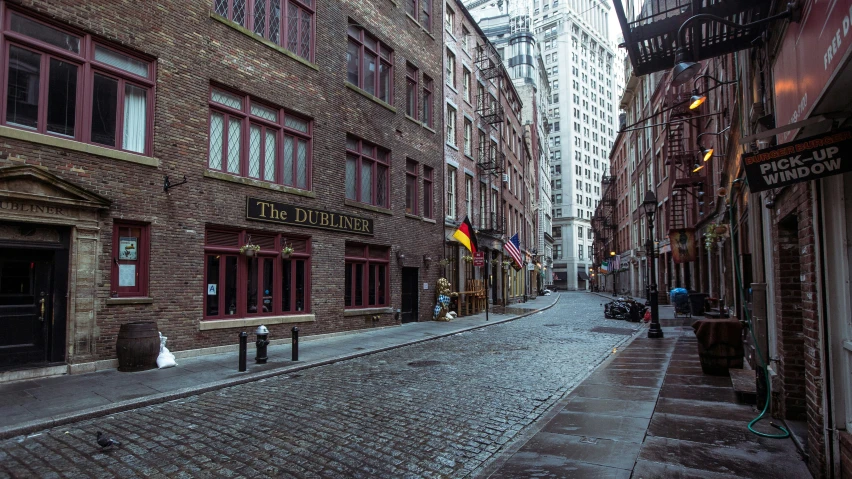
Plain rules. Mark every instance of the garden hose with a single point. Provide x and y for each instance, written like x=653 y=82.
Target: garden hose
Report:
x=765 y=367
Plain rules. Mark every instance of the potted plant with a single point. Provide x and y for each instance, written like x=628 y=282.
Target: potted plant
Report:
x=495 y=262
x=249 y=249
x=444 y=262
x=467 y=258
x=506 y=264
x=286 y=251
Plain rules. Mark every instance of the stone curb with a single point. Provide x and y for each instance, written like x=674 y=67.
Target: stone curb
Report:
x=99 y=411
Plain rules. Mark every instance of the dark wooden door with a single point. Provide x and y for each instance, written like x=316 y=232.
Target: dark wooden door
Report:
x=26 y=306
x=410 y=302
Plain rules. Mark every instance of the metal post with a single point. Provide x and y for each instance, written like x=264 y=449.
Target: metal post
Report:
x=243 y=347
x=655 y=331
x=295 y=348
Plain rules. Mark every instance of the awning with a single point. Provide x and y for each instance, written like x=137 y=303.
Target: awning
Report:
x=582 y=276
x=560 y=276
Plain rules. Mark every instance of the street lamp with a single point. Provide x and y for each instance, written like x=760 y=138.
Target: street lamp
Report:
x=614 y=274
x=649 y=204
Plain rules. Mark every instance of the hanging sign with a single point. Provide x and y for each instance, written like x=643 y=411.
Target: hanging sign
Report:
x=285 y=214
x=683 y=245
x=479 y=259
x=803 y=160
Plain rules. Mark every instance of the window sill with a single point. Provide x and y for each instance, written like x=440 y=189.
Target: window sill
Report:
x=413 y=120
x=452 y=88
x=139 y=300
x=257 y=321
x=262 y=40
x=429 y=220
x=430 y=129
x=33 y=137
x=366 y=311
x=365 y=206
x=257 y=183
x=414 y=217
x=369 y=96
x=453 y=146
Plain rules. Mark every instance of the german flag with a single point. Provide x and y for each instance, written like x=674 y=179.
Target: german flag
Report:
x=466 y=236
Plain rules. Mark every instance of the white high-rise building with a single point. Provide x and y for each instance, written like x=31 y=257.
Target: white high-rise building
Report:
x=580 y=60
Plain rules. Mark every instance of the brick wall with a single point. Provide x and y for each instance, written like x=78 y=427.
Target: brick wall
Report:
x=192 y=49
x=797 y=317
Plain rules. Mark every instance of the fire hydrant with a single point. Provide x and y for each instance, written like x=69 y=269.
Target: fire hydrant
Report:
x=262 y=342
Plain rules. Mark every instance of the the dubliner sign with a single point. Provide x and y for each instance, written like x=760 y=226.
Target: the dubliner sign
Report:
x=802 y=160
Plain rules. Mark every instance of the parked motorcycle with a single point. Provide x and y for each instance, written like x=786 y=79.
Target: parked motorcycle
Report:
x=625 y=308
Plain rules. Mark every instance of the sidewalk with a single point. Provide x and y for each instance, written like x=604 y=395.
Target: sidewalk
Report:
x=31 y=405
x=650 y=412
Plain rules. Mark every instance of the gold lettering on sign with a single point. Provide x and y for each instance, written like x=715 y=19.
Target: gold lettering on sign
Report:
x=301 y=215
x=263 y=206
x=323 y=219
x=31 y=208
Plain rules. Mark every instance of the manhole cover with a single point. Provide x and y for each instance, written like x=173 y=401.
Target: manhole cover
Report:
x=552 y=325
x=423 y=364
x=604 y=329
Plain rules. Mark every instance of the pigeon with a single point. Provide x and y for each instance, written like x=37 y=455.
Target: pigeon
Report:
x=105 y=441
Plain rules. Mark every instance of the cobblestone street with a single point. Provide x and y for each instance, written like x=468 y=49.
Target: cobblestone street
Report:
x=442 y=408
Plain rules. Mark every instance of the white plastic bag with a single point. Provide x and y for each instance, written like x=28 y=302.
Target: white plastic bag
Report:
x=166 y=359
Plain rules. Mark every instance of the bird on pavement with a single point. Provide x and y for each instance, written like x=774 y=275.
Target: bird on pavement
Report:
x=105 y=441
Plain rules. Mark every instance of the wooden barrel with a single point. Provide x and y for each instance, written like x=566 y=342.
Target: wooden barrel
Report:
x=719 y=358
x=138 y=346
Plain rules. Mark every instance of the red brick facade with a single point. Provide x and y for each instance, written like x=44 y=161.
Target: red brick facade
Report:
x=193 y=48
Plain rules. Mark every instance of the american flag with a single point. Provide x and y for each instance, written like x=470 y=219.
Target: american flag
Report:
x=513 y=247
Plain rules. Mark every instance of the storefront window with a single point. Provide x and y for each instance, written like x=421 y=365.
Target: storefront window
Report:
x=267 y=283
x=366 y=276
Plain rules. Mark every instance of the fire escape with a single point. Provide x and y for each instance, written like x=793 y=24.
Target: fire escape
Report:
x=604 y=222
x=490 y=157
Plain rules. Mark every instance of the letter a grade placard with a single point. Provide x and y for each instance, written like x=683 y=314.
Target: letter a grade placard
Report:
x=801 y=160
x=281 y=213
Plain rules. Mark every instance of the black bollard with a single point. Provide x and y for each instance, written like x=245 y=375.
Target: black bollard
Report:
x=295 y=332
x=243 y=347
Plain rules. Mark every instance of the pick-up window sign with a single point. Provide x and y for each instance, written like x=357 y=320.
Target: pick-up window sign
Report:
x=802 y=160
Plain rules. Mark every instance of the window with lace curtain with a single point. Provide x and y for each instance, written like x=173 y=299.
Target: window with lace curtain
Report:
x=289 y=23
x=257 y=140
x=73 y=86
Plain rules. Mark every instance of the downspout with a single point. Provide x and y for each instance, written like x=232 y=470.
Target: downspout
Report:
x=829 y=425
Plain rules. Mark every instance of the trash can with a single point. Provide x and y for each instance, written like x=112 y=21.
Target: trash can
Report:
x=696 y=303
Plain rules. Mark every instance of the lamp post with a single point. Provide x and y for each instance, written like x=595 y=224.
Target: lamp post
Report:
x=650 y=207
x=614 y=273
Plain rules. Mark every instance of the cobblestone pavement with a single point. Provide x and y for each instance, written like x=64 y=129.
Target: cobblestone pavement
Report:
x=443 y=408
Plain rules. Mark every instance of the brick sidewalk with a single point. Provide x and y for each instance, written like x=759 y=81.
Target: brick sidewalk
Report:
x=650 y=412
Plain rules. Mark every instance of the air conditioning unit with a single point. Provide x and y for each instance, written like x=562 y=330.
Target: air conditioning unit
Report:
x=505 y=177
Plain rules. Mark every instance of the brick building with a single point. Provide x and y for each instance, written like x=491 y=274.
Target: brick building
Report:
x=486 y=159
x=328 y=165
x=772 y=253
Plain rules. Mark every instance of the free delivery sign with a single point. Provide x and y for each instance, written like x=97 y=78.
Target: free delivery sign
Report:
x=802 y=160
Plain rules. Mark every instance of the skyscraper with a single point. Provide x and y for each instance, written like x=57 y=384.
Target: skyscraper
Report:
x=580 y=60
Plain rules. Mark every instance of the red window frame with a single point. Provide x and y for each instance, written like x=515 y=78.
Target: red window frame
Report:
x=372 y=259
x=412 y=195
x=368 y=44
x=271 y=250
x=428 y=86
x=283 y=129
x=428 y=192
x=295 y=28
x=143 y=246
x=362 y=151
x=412 y=108
x=87 y=66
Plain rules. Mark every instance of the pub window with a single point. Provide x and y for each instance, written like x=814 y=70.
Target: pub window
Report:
x=68 y=84
x=428 y=192
x=411 y=194
x=265 y=284
x=130 y=260
x=367 y=276
x=367 y=167
x=256 y=140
